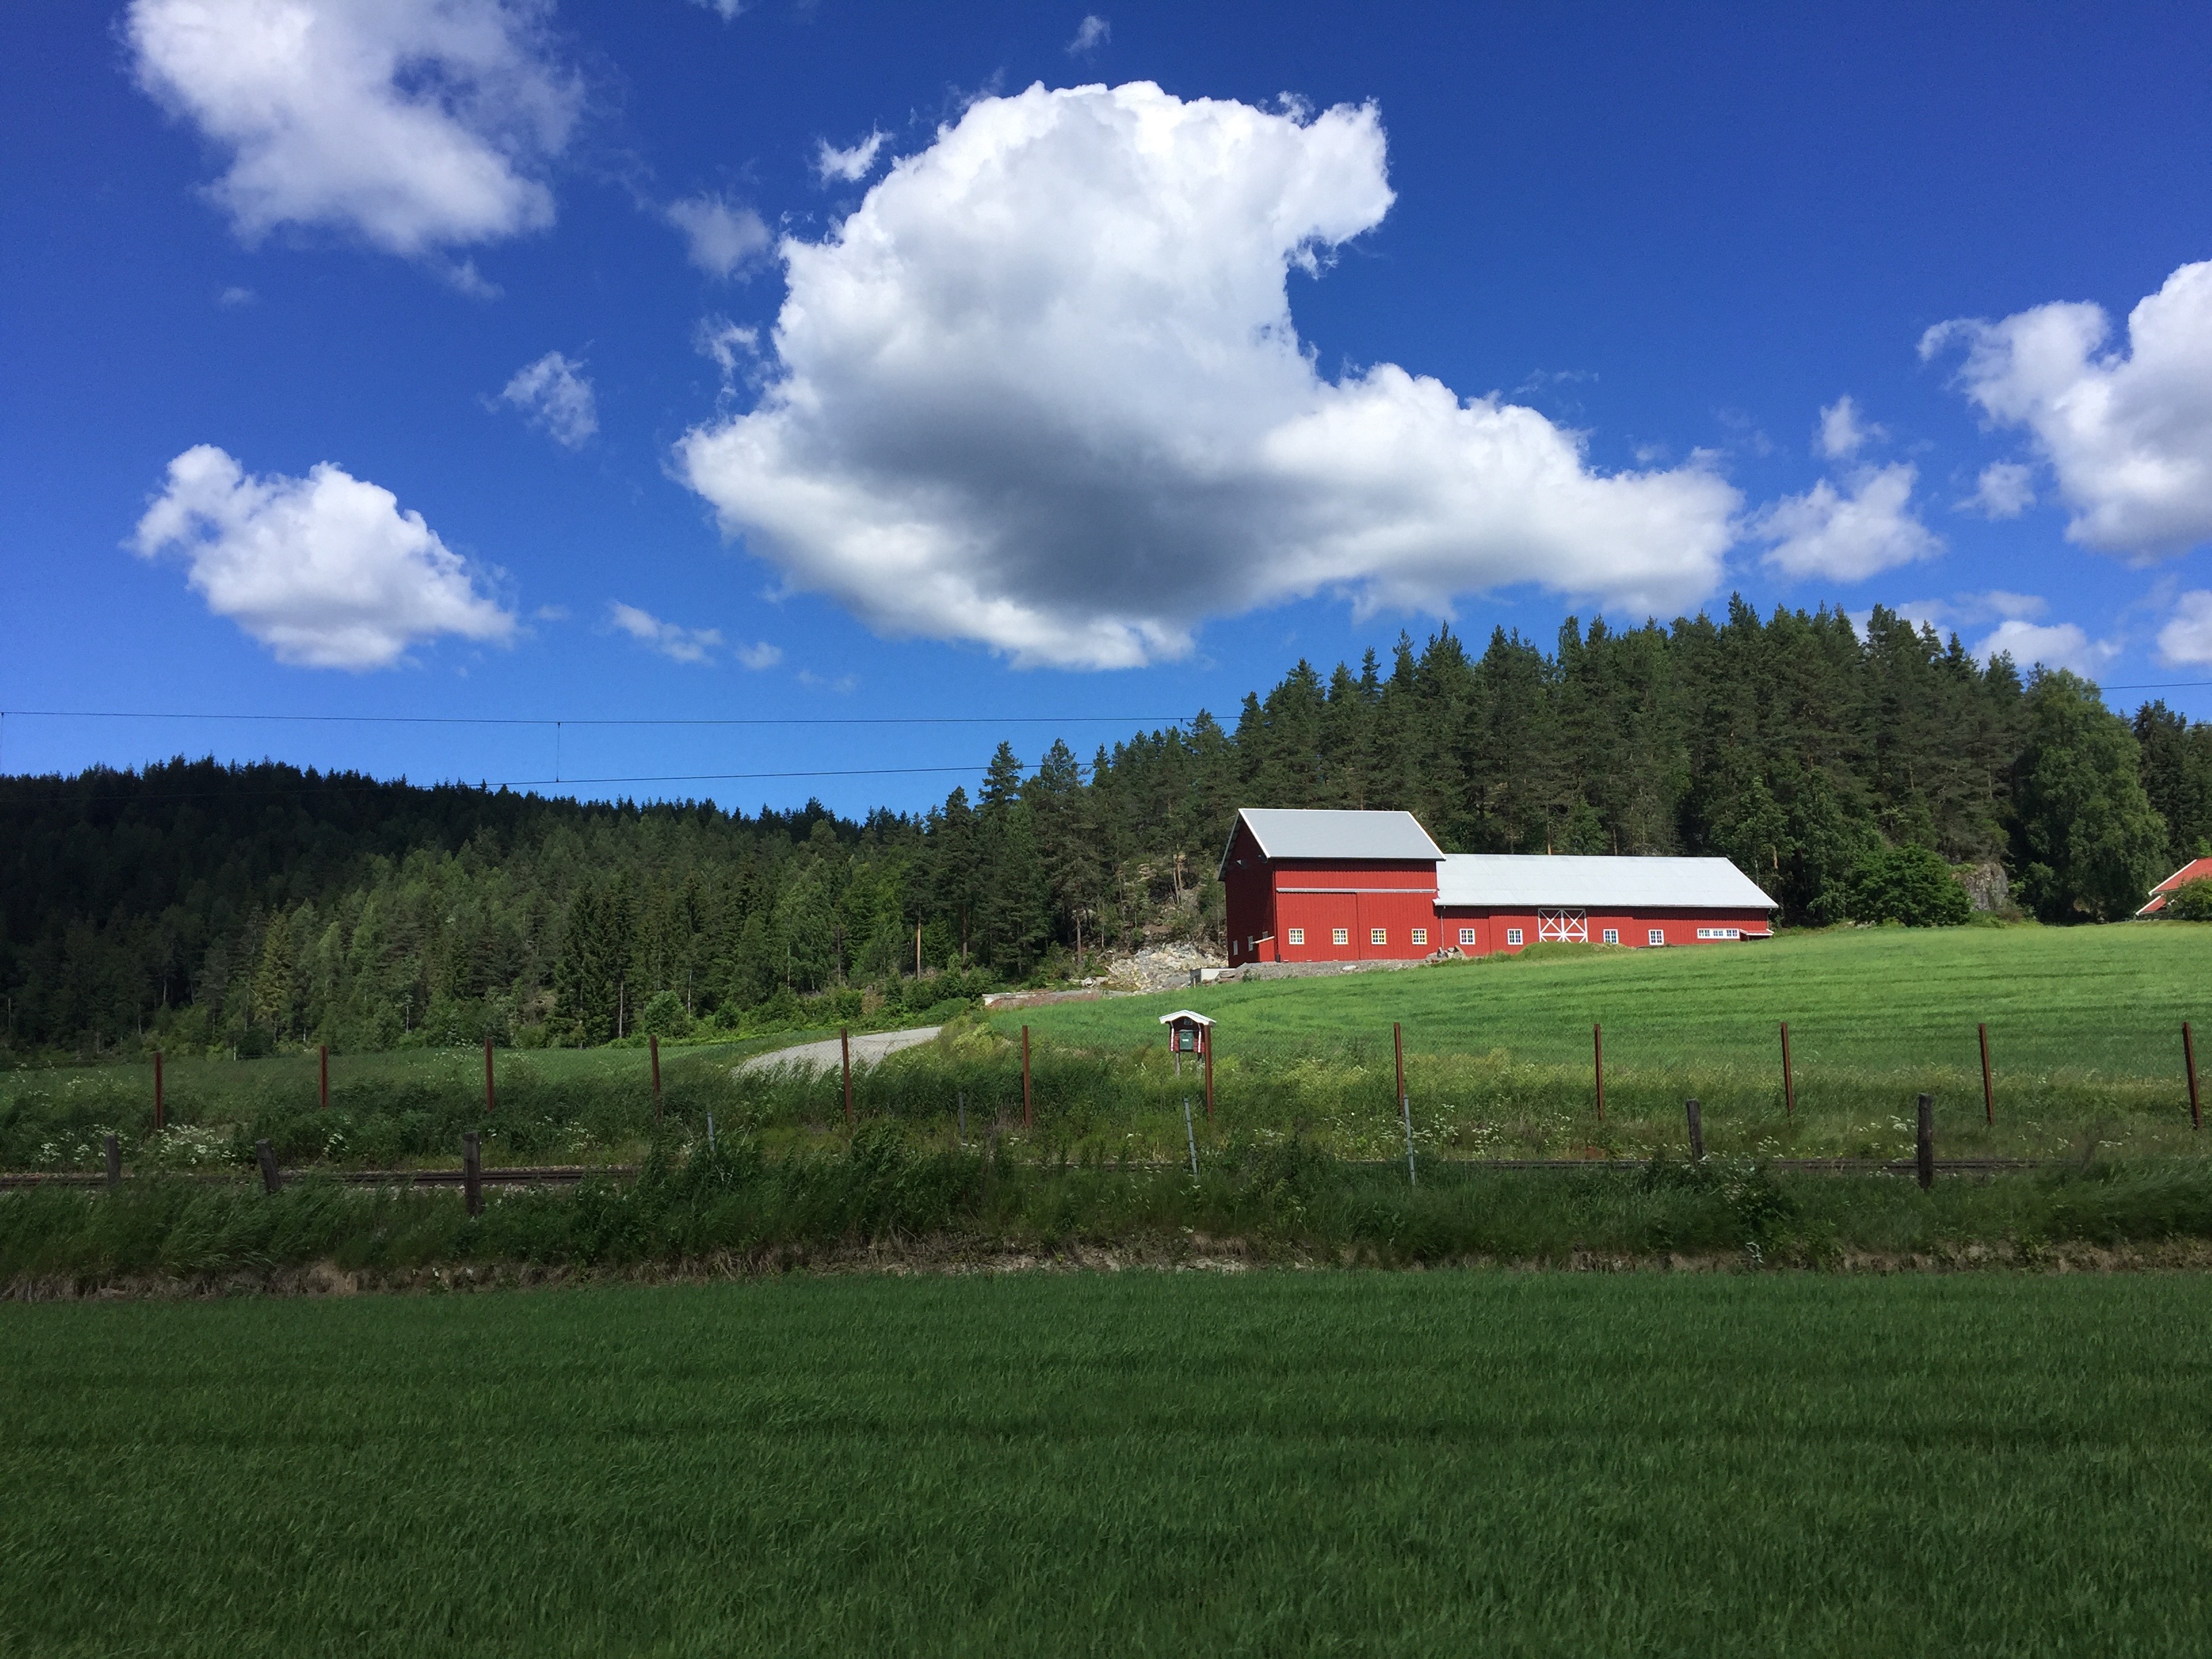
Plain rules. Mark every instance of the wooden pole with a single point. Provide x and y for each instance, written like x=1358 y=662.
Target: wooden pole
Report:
x=157 y=1092
x=472 y=1172
x=1925 y=1146
x=1789 y=1082
x=113 y=1150
x=2188 y=1062
x=265 y=1156
x=1405 y=1101
x=488 y=1100
x=1025 y=1077
x=1597 y=1063
x=323 y=1081
x=1191 y=1136
x=653 y=1048
x=845 y=1046
x=1206 y=1037
x=1697 y=1131
x=1988 y=1089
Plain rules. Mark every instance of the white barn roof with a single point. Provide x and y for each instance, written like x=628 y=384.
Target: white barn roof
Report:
x=1289 y=832
x=1499 y=880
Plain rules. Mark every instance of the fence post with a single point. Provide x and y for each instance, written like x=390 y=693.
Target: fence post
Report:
x=1697 y=1131
x=1187 y=1134
x=1989 y=1090
x=963 y=1120
x=1597 y=1062
x=653 y=1048
x=1205 y=1037
x=1404 y=1102
x=112 y=1149
x=323 y=1078
x=157 y=1092
x=266 y=1155
x=1025 y=1080
x=472 y=1172
x=1789 y=1082
x=2188 y=1062
x=487 y=1089
x=1925 y=1149
x=845 y=1048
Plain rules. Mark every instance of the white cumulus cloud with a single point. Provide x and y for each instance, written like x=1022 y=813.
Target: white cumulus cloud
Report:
x=2187 y=639
x=1843 y=433
x=722 y=238
x=1041 y=390
x=1848 y=536
x=2128 y=433
x=849 y=165
x=325 y=570
x=1092 y=32
x=762 y=655
x=2054 y=645
x=2005 y=490
x=416 y=124
x=678 y=643
x=554 y=394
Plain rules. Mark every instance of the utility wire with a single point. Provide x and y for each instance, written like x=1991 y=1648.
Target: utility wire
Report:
x=495 y=719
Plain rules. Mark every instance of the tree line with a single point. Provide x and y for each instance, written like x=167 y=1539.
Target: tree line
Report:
x=1855 y=772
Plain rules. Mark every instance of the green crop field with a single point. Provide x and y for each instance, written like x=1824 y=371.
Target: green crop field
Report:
x=1277 y=1463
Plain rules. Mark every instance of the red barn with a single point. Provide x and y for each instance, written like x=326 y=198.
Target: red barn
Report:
x=2195 y=869
x=1337 y=886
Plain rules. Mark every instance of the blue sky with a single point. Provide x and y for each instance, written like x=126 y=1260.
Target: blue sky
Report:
x=642 y=387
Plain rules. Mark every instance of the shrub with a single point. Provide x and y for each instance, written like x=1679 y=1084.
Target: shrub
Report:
x=1911 y=884
x=2190 y=901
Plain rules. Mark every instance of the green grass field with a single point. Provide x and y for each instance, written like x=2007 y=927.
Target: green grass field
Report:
x=1277 y=1463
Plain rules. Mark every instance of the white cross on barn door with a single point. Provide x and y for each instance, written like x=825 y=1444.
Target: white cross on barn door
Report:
x=1563 y=927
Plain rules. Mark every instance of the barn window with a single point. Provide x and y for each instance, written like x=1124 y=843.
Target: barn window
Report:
x=1513 y=936
x=1720 y=933
x=1378 y=936
x=1421 y=936
x=1656 y=936
x=1612 y=936
x=1340 y=936
x=1467 y=936
x=1297 y=936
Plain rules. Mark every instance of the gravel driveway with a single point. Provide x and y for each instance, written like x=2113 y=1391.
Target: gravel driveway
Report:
x=820 y=1056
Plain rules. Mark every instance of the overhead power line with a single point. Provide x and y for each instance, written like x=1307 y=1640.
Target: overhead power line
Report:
x=534 y=719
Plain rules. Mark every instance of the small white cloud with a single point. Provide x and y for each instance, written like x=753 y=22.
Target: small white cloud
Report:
x=724 y=342
x=728 y=10
x=722 y=239
x=1843 y=434
x=2128 y=434
x=693 y=645
x=840 y=684
x=2012 y=607
x=416 y=124
x=325 y=570
x=2187 y=640
x=2005 y=490
x=2055 y=645
x=849 y=165
x=760 y=656
x=234 y=298
x=554 y=394
x=1848 y=538
x=1092 y=32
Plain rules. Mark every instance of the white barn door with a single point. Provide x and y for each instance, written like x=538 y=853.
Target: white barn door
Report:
x=1563 y=927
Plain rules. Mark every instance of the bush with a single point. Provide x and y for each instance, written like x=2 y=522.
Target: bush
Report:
x=1911 y=884
x=2190 y=901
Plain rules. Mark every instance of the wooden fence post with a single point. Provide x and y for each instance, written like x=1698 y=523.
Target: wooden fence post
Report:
x=112 y=1149
x=487 y=1088
x=1205 y=1037
x=845 y=1047
x=1190 y=1135
x=157 y=1092
x=472 y=1172
x=1924 y=1147
x=1988 y=1089
x=1405 y=1101
x=1697 y=1131
x=653 y=1048
x=323 y=1079
x=266 y=1155
x=1597 y=1062
x=1788 y=1081
x=1025 y=1077
x=2189 y=1064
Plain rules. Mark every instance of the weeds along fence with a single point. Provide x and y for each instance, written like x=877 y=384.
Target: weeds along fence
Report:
x=1470 y=1088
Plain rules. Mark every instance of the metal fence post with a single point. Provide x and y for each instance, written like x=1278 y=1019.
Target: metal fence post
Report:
x=472 y=1172
x=489 y=1098
x=1788 y=1081
x=845 y=1048
x=1405 y=1101
x=1988 y=1089
x=1924 y=1148
x=1206 y=1037
x=1697 y=1131
x=1191 y=1136
x=653 y=1048
x=1597 y=1064
x=1025 y=1080
x=2188 y=1062
x=157 y=1092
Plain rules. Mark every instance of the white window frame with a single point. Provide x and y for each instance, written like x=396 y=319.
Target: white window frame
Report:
x=1720 y=933
x=1513 y=936
x=1467 y=936
x=1655 y=936
x=1297 y=936
x=1421 y=936
x=1378 y=936
x=1340 y=936
x=1612 y=936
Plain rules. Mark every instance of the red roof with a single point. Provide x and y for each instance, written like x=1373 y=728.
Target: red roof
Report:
x=2195 y=869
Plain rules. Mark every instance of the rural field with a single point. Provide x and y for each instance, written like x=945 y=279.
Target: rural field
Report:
x=1142 y=1462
